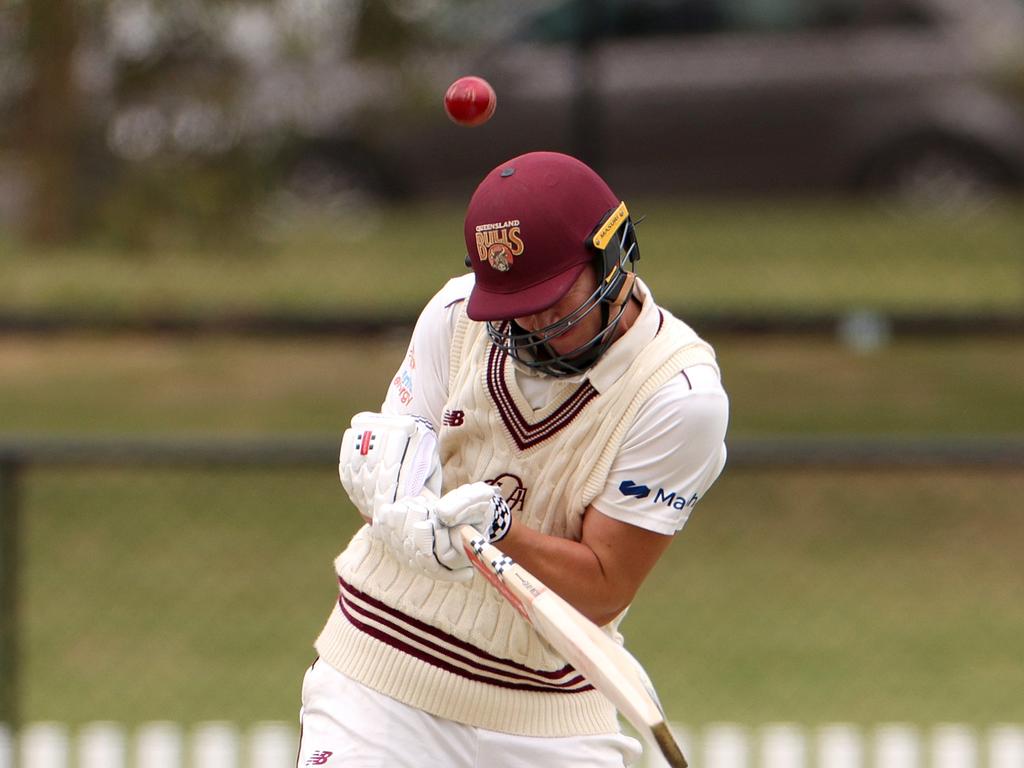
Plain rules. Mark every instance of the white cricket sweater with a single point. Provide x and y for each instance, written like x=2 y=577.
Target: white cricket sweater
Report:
x=460 y=651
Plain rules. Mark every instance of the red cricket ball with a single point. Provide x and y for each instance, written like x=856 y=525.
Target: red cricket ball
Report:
x=470 y=101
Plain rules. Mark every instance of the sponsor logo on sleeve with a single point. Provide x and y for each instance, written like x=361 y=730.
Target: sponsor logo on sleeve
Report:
x=402 y=384
x=629 y=488
x=403 y=381
x=672 y=499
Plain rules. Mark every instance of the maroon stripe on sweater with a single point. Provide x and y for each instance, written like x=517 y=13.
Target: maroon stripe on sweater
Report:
x=482 y=657
x=435 y=661
x=444 y=657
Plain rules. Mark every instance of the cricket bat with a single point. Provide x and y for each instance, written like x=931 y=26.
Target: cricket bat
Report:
x=609 y=667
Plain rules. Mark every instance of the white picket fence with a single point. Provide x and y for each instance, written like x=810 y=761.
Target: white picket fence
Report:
x=724 y=745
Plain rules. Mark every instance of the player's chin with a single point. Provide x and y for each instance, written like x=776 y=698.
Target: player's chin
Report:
x=571 y=346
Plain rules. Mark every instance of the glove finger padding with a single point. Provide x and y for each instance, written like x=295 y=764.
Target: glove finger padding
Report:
x=393 y=524
x=408 y=528
x=385 y=458
x=431 y=537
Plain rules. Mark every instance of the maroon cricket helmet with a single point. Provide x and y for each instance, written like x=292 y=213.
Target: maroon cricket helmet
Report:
x=527 y=230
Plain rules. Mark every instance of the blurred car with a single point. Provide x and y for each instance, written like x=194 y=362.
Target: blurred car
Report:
x=922 y=98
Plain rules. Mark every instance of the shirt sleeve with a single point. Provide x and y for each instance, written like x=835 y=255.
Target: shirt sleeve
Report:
x=420 y=386
x=671 y=455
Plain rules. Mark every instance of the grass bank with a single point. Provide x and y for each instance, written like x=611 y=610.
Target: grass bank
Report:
x=168 y=385
x=704 y=258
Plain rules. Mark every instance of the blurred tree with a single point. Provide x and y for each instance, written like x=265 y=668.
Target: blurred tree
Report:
x=144 y=121
x=586 y=107
x=52 y=128
x=381 y=32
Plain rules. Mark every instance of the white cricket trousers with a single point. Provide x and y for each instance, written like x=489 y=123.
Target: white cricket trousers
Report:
x=344 y=723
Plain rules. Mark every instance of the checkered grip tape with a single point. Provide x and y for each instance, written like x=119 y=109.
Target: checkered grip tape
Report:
x=501 y=564
x=501 y=520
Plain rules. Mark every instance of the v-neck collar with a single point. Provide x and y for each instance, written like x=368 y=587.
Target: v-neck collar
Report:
x=528 y=426
x=525 y=425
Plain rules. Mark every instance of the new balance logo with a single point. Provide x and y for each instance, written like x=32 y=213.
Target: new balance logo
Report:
x=453 y=418
x=319 y=757
x=629 y=488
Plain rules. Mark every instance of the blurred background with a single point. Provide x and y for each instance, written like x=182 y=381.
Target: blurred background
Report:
x=218 y=221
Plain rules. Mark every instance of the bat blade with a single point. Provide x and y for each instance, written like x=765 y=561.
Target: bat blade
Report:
x=609 y=667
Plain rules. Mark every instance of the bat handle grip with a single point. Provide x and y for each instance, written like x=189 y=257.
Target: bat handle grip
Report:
x=472 y=541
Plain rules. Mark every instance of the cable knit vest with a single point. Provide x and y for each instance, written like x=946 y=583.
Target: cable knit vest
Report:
x=458 y=650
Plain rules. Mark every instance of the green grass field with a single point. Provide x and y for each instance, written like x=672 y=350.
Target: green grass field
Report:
x=804 y=596
x=166 y=385
x=757 y=256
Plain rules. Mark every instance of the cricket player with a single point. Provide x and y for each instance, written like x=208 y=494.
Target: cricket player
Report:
x=550 y=403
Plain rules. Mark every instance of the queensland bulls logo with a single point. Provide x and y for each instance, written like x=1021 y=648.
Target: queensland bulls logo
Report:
x=512 y=489
x=498 y=244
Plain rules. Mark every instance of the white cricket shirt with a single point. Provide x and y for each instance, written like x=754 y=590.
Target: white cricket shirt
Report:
x=669 y=457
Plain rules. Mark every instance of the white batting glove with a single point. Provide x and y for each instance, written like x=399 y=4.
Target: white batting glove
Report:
x=385 y=458
x=479 y=505
x=407 y=527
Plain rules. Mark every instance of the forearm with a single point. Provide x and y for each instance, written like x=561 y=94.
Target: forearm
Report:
x=570 y=568
x=599 y=574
